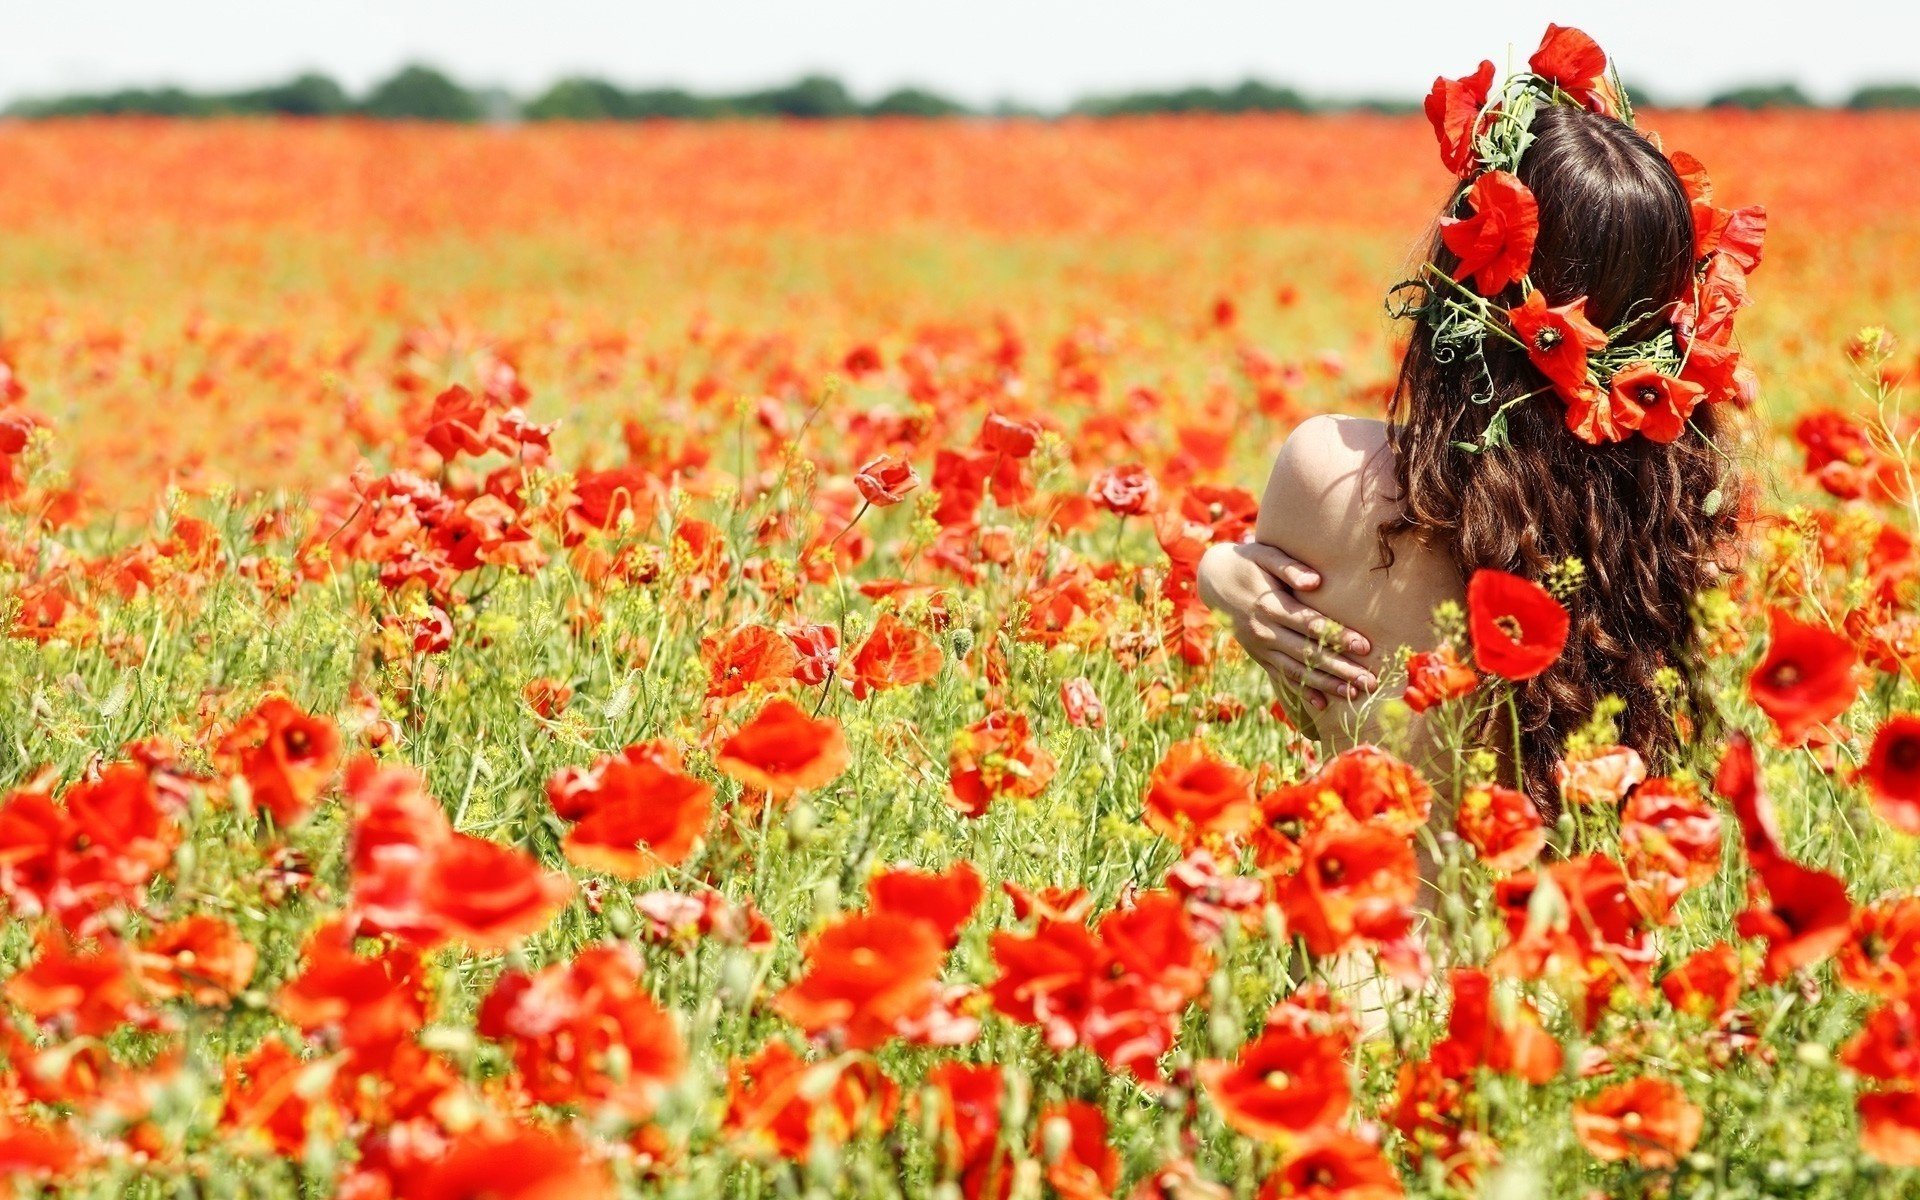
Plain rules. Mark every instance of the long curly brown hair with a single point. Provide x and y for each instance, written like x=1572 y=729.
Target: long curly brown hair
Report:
x=1652 y=524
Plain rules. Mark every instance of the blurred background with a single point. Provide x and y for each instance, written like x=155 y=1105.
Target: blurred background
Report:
x=241 y=234
x=468 y=59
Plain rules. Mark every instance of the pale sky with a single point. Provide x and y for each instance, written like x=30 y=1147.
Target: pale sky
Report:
x=1044 y=52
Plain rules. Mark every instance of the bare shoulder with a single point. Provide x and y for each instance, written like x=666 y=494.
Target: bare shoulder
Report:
x=1332 y=479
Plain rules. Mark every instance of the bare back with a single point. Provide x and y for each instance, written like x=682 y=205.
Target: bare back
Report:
x=1331 y=486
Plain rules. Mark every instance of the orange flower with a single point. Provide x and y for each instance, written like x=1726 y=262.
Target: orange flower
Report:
x=638 y=811
x=1518 y=628
x=1805 y=680
x=1285 y=1082
x=1502 y=825
x=752 y=655
x=285 y=755
x=866 y=974
x=1495 y=243
x=1893 y=772
x=783 y=750
x=1333 y=1166
x=1669 y=840
x=894 y=655
x=586 y=1032
x=490 y=896
x=779 y=1102
x=1707 y=984
x=1435 y=677
x=1192 y=794
x=201 y=957
x=87 y=991
x=1646 y=1120
x=1596 y=777
x=945 y=900
x=994 y=757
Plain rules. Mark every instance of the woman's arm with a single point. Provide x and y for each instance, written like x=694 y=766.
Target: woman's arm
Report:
x=1255 y=585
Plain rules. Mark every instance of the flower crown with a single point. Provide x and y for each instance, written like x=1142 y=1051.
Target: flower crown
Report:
x=1612 y=388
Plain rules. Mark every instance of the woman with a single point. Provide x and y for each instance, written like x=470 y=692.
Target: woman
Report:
x=1560 y=399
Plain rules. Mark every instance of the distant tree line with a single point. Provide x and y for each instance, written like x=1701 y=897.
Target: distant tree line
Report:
x=422 y=93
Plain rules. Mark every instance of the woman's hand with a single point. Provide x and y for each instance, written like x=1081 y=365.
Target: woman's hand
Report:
x=1254 y=585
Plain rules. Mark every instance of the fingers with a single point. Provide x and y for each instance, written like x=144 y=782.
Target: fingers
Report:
x=1282 y=566
x=1315 y=700
x=1304 y=662
x=1286 y=611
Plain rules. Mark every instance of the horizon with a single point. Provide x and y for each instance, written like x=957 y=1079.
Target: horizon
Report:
x=1062 y=53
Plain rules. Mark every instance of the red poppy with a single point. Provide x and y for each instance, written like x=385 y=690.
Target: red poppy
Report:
x=1127 y=490
x=1707 y=984
x=1646 y=1120
x=886 y=480
x=1333 y=1166
x=1737 y=779
x=586 y=1032
x=783 y=750
x=30 y=1151
x=90 y=991
x=946 y=900
x=1643 y=399
x=1669 y=840
x=263 y=1094
x=490 y=896
x=285 y=755
x=866 y=974
x=1191 y=794
x=1355 y=882
x=1806 y=679
x=1435 y=677
x=200 y=957
x=638 y=811
x=894 y=655
x=1506 y=1038
x=1572 y=62
x=1890 y=1126
x=768 y=1105
x=1558 y=339
x=1080 y=1165
x=1495 y=244
x=969 y=1096
x=995 y=757
x=1893 y=772
x=368 y=1004
x=1154 y=941
x=752 y=655
x=1803 y=913
x=1286 y=1081
x=1453 y=109
x=1887 y=1046
x=516 y=1164
x=1882 y=950
x=1502 y=825
x=819 y=649
x=1518 y=629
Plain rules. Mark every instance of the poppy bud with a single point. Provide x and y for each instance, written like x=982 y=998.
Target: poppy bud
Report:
x=1055 y=1138
x=826 y=899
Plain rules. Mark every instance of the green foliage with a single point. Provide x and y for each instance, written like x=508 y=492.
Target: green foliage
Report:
x=1886 y=95
x=420 y=93
x=1250 y=96
x=1762 y=95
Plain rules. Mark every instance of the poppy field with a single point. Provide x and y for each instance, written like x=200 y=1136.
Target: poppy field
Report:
x=663 y=660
